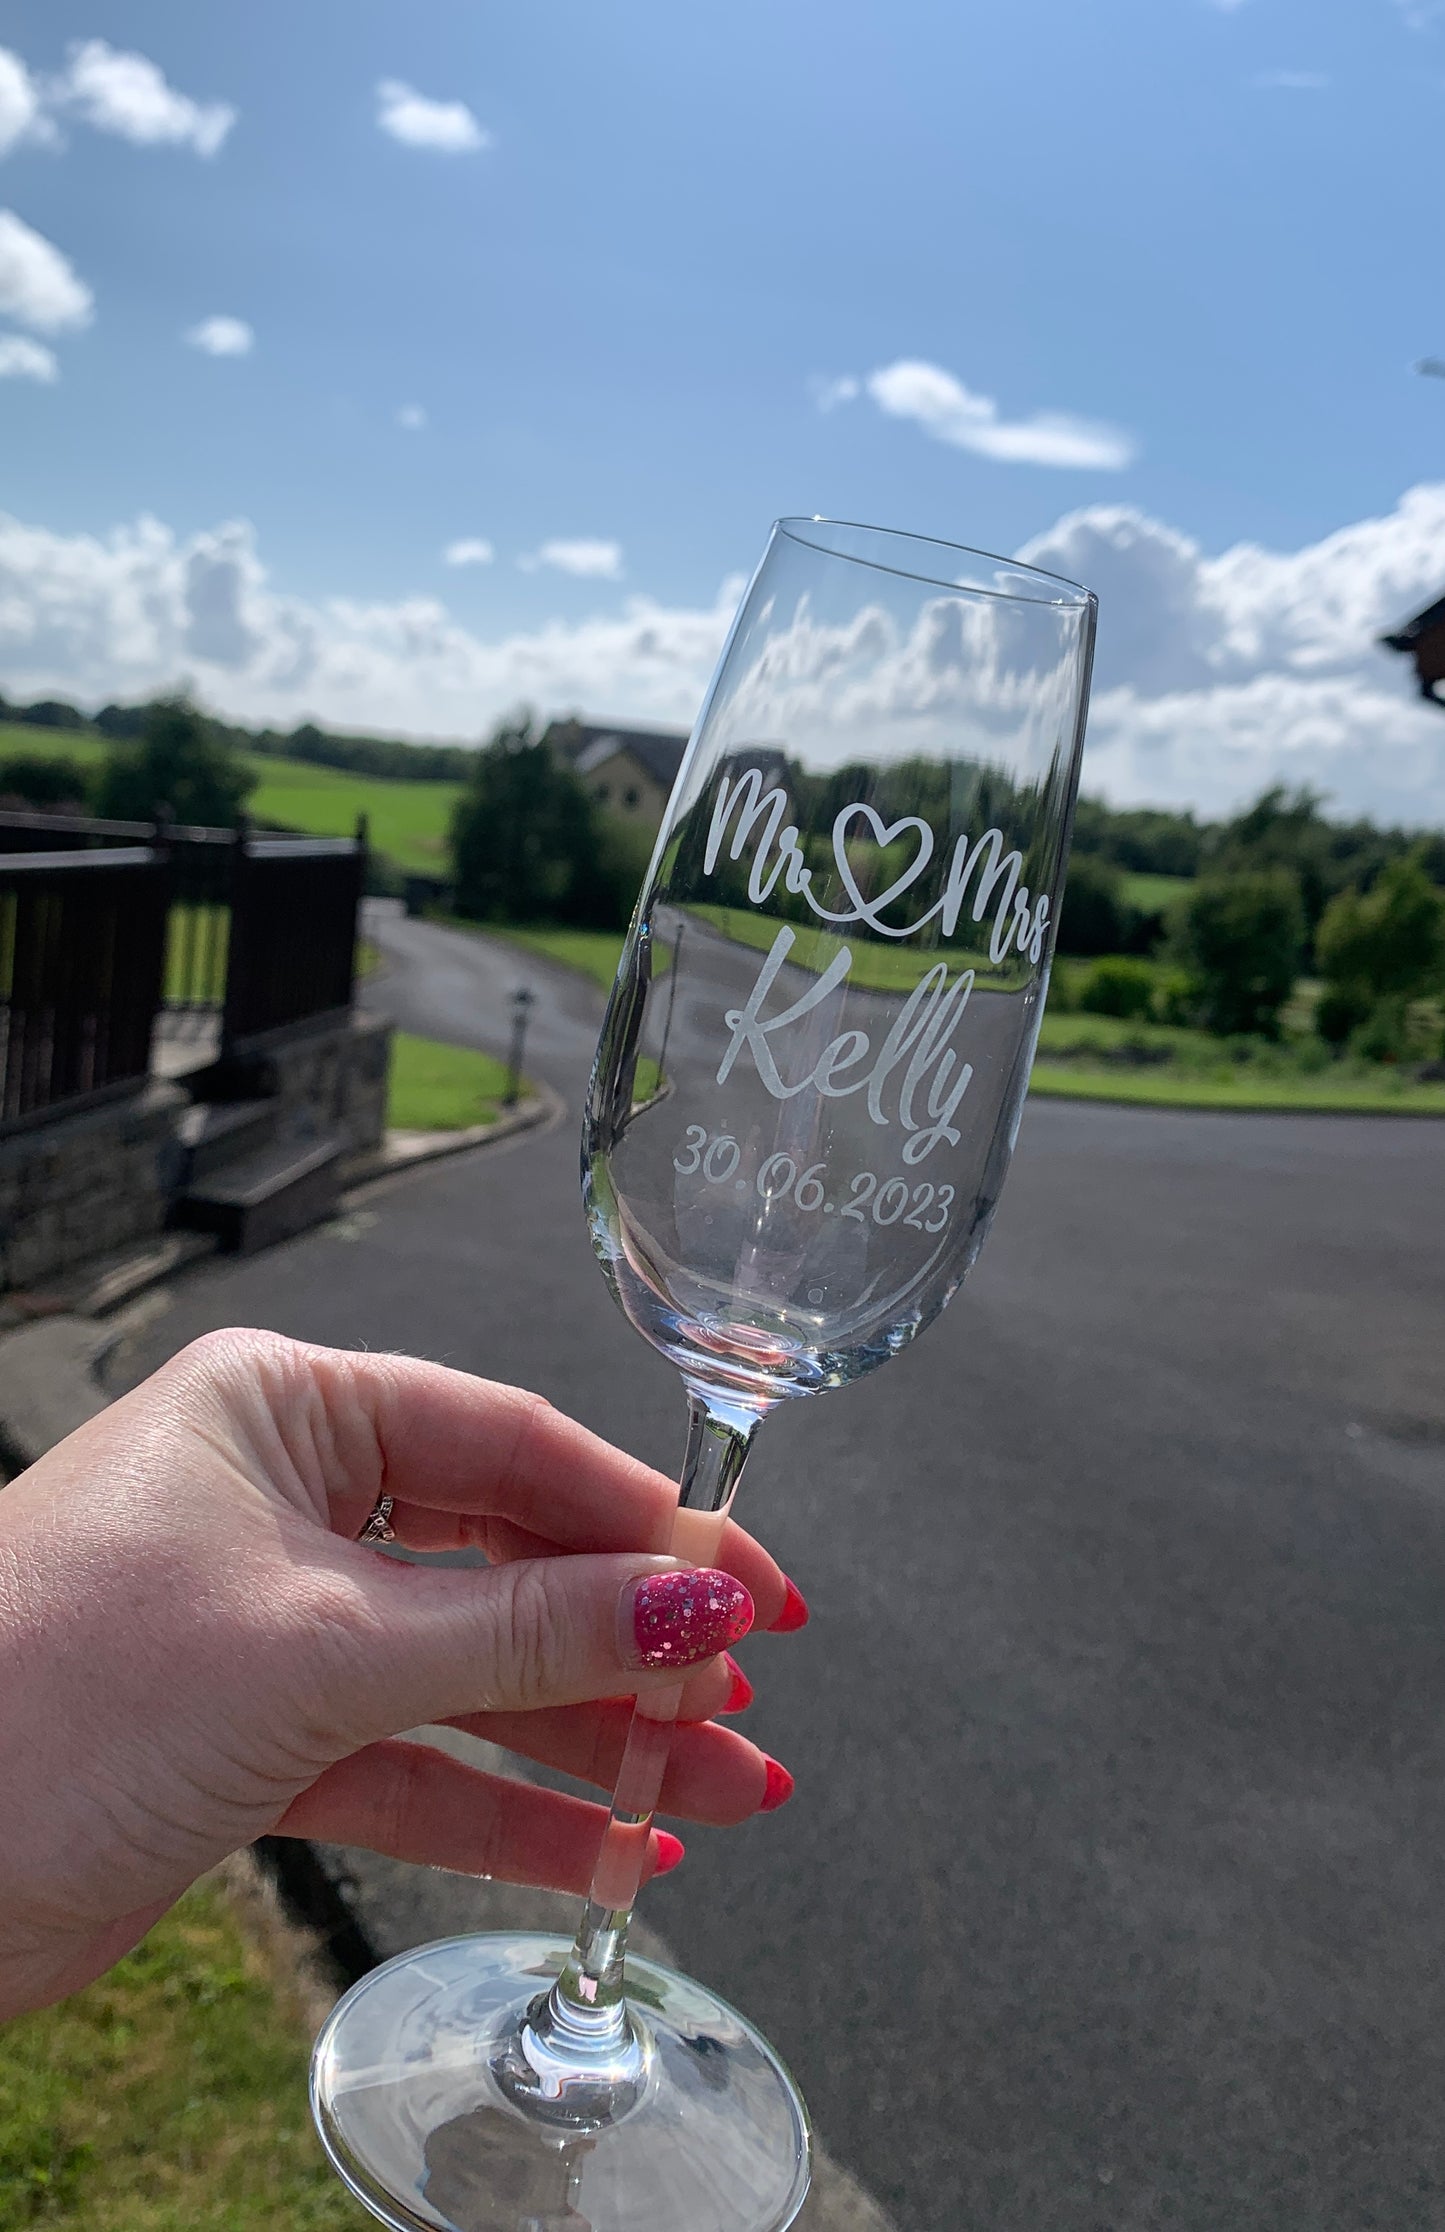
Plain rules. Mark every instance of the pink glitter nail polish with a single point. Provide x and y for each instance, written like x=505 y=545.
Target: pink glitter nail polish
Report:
x=680 y=1619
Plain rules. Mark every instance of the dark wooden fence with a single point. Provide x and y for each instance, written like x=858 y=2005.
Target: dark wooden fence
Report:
x=214 y=932
x=82 y=950
x=293 y=934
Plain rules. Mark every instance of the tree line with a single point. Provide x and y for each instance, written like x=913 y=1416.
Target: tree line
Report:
x=1264 y=897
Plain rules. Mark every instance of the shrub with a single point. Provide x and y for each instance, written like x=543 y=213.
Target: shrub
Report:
x=1176 y=998
x=44 y=783
x=1242 y=938
x=1119 y=986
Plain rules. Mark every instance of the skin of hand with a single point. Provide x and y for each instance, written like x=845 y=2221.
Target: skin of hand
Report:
x=195 y=1650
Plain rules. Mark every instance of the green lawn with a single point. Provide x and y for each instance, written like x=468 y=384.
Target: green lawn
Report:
x=595 y=952
x=169 y=2097
x=1337 y=1091
x=442 y=1088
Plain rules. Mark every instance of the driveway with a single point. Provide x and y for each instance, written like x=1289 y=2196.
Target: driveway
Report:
x=1111 y=1894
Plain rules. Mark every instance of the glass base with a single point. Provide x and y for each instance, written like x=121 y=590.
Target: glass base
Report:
x=417 y=2125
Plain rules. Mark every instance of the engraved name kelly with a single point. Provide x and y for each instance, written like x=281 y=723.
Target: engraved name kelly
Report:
x=914 y=1073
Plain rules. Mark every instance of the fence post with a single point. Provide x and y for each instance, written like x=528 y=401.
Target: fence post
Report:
x=236 y=940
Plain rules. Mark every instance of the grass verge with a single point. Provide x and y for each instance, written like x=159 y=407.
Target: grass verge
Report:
x=594 y=952
x=442 y=1088
x=1090 y=1057
x=168 y=2097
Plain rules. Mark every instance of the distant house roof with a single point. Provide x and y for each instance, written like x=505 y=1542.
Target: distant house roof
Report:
x=588 y=744
x=1423 y=640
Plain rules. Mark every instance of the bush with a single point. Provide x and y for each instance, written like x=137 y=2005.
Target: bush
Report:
x=1119 y=986
x=1176 y=998
x=1242 y=939
x=44 y=783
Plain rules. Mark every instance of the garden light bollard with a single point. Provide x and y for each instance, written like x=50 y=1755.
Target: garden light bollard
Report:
x=521 y=1004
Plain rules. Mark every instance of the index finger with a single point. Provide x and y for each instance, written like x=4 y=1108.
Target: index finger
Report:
x=462 y=1448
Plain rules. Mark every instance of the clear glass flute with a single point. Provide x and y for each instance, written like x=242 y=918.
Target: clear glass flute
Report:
x=806 y=1095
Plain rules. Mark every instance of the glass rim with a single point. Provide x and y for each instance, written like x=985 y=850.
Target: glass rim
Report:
x=795 y=525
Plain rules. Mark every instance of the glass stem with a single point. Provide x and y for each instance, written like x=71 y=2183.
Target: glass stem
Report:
x=585 y=2014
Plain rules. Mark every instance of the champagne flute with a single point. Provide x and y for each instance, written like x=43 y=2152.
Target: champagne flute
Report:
x=806 y=1095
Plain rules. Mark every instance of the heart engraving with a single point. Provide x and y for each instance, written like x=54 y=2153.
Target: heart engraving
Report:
x=869 y=910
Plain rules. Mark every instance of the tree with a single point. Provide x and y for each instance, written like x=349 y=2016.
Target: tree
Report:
x=526 y=846
x=180 y=762
x=1242 y=939
x=1387 y=945
x=1095 y=917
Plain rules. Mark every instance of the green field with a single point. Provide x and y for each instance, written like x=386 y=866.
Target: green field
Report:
x=1155 y=894
x=169 y=2097
x=408 y=821
x=594 y=952
x=41 y=743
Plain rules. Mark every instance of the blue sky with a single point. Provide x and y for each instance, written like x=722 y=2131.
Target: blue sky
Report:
x=650 y=275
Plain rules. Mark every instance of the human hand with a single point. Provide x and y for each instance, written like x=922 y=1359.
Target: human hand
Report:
x=195 y=1651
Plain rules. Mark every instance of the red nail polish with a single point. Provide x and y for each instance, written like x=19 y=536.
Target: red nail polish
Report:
x=779 y=1788
x=680 y=1619
x=741 y=1695
x=794 y=1614
x=670 y=1850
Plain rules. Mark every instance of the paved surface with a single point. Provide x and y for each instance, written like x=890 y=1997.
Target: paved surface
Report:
x=1112 y=1894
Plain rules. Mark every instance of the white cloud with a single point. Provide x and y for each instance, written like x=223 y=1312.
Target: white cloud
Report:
x=828 y=394
x=447 y=127
x=126 y=94
x=22 y=117
x=1288 y=81
x=412 y=417
x=588 y=559
x=222 y=337
x=950 y=412
x=38 y=285
x=472 y=550
x=1216 y=675
x=21 y=359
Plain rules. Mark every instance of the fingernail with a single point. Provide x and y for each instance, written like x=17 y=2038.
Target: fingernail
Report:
x=793 y=1615
x=680 y=1619
x=669 y=1851
x=741 y=1695
x=779 y=1788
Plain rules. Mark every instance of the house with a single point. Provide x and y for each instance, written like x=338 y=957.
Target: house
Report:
x=1423 y=640
x=626 y=771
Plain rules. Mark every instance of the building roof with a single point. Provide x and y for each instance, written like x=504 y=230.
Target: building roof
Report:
x=1411 y=632
x=588 y=744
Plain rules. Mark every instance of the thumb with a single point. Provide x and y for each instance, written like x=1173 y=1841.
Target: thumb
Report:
x=403 y=1645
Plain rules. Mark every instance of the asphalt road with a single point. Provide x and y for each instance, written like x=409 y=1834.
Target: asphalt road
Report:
x=1112 y=1893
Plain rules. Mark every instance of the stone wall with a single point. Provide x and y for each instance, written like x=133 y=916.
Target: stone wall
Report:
x=81 y=1186
x=331 y=1080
